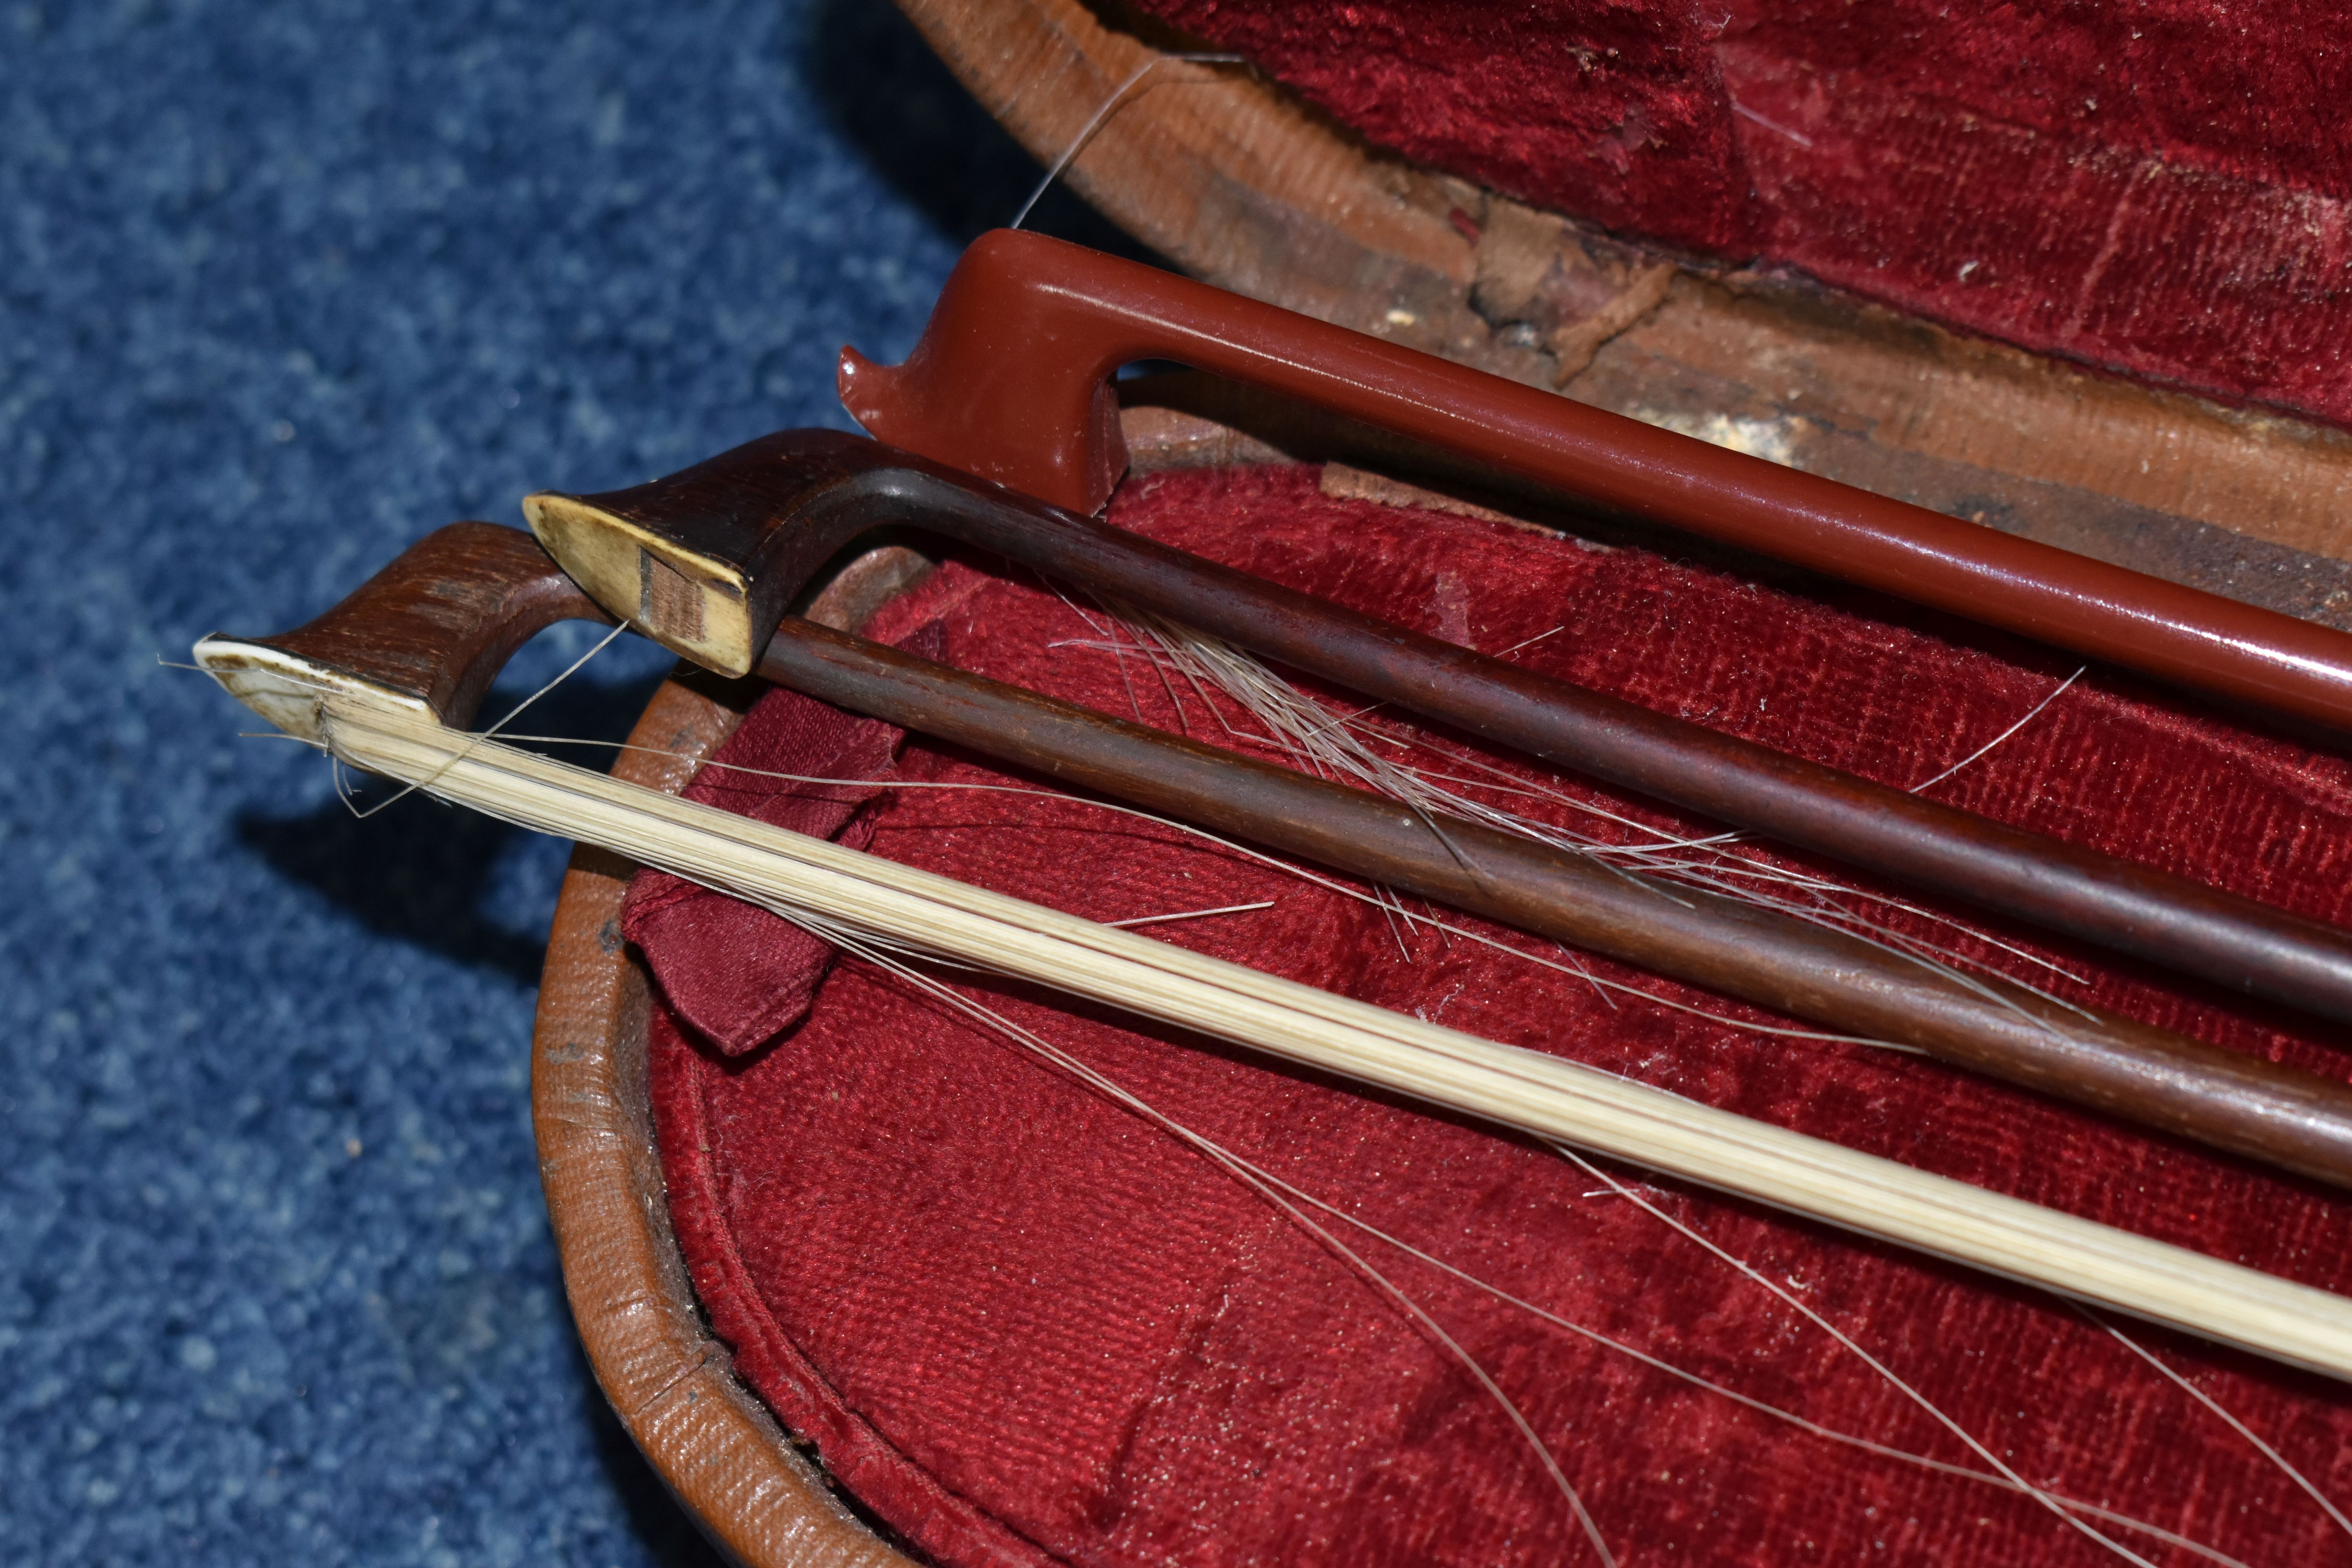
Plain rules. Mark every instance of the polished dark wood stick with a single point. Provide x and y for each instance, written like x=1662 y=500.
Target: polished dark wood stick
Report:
x=705 y=561
x=433 y=630
x=2283 y=1116
x=1012 y=381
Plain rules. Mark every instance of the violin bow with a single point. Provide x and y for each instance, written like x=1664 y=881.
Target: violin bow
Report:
x=1011 y=382
x=384 y=679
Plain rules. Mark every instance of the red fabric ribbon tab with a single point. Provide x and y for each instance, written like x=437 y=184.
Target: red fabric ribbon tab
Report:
x=738 y=974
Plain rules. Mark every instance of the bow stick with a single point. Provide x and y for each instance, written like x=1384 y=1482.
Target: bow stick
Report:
x=383 y=678
x=705 y=561
x=1011 y=382
x=2281 y=1115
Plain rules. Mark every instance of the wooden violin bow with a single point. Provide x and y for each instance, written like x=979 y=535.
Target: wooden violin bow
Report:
x=382 y=678
x=705 y=560
x=1011 y=382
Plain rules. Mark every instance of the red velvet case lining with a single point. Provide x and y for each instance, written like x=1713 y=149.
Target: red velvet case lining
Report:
x=2164 y=187
x=1024 y=1325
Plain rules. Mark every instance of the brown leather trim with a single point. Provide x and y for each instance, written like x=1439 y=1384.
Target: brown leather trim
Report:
x=673 y=1385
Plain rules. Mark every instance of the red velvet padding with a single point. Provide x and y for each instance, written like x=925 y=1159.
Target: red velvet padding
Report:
x=1024 y=1324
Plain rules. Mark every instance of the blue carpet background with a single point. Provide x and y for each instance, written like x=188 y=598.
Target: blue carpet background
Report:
x=281 y=288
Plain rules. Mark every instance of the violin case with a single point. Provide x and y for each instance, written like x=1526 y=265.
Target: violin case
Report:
x=2083 y=278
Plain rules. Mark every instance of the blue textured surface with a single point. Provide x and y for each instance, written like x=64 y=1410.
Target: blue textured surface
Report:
x=282 y=288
